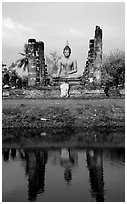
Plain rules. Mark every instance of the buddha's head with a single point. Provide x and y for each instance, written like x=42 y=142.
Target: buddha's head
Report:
x=67 y=51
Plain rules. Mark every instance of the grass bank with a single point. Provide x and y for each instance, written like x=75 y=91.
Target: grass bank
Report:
x=64 y=122
x=63 y=114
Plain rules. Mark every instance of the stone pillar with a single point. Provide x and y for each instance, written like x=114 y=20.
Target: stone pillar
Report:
x=32 y=62
x=98 y=55
x=93 y=68
x=36 y=62
x=37 y=69
x=32 y=71
x=89 y=68
x=41 y=61
x=91 y=58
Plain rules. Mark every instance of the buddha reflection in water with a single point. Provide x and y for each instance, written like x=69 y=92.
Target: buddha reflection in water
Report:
x=68 y=160
x=95 y=167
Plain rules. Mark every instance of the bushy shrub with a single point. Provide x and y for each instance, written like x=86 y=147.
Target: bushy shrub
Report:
x=114 y=68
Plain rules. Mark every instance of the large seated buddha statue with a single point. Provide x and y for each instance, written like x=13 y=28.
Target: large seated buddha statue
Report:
x=66 y=66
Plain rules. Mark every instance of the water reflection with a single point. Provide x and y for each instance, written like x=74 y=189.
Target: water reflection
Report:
x=13 y=153
x=35 y=170
x=116 y=156
x=79 y=138
x=6 y=154
x=68 y=160
x=71 y=163
x=9 y=153
x=96 y=177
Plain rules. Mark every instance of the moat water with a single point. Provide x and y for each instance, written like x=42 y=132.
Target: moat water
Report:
x=63 y=174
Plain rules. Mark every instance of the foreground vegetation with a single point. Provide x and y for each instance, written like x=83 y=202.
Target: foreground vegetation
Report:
x=60 y=120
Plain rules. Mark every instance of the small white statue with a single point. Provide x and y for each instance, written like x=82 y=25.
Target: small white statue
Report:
x=64 y=88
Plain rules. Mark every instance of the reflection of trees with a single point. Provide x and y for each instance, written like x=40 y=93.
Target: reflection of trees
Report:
x=95 y=167
x=5 y=154
x=13 y=153
x=68 y=160
x=115 y=155
x=35 y=169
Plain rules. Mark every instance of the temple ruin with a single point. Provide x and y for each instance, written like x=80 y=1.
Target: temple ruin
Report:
x=92 y=74
x=37 y=69
x=36 y=62
x=89 y=84
x=93 y=67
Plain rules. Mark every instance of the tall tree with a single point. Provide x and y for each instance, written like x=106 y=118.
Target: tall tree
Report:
x=114 y=66
x=52 y=61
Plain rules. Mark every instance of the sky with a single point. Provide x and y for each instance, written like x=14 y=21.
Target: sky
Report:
x=55 y=23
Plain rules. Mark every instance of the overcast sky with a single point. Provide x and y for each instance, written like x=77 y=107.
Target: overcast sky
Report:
x=55 y=23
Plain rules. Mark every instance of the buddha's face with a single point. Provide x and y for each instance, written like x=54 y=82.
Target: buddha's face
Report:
x=67 y=53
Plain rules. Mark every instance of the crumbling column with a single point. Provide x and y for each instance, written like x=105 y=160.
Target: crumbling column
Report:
x=40 y=53
x=32 y=62
x=89 y=68
x=93 y=67
x=36 y=62
x=91 y=57
x=98 y=55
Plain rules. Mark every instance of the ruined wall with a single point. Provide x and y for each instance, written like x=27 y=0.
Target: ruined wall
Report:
x=98 y=55
x=93 y=66
x=41 y=69
x=36 y=62
x=32 y=62
x=89 y=68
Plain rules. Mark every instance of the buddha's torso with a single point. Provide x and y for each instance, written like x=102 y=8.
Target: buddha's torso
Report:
x=67 y=65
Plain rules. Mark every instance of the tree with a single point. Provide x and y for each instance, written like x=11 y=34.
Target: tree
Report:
x=21 y=63
x=52 y=61
x=24 y=61
x=114 y=66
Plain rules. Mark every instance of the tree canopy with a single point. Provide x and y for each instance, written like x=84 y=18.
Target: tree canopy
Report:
x=52 y=61
x=114 y=66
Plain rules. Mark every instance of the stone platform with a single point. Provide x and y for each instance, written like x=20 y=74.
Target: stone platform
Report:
x=76 y=91
x=71 y=80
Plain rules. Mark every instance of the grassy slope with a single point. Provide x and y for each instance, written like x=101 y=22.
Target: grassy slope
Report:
x=60 y=118
x=80 y=112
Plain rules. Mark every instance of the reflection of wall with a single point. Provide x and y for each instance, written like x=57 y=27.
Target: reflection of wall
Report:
x=35 y=169
x=95 y=167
